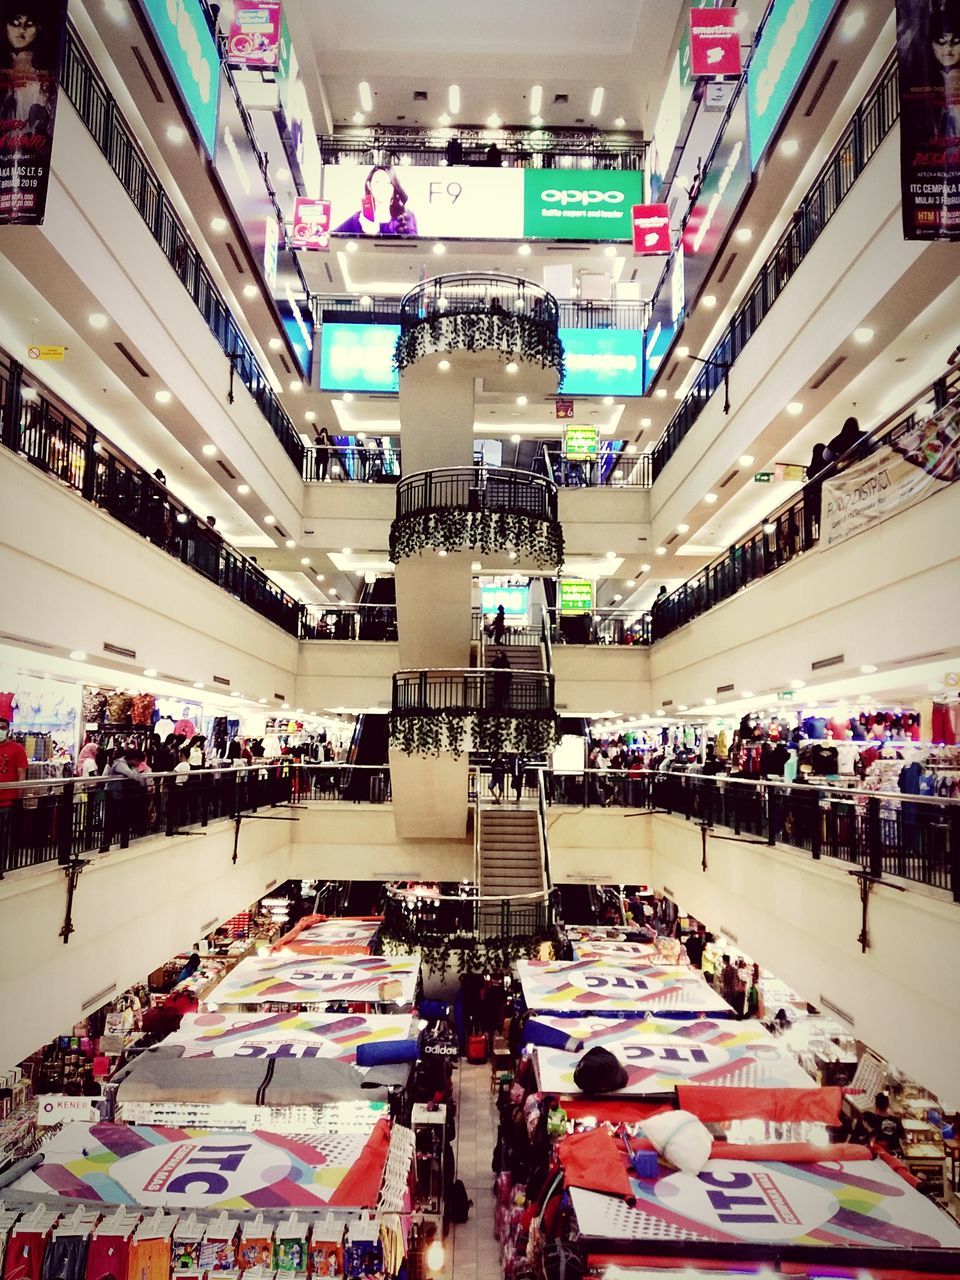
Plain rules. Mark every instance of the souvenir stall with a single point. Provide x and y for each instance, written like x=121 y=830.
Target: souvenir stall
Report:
x=314 y=983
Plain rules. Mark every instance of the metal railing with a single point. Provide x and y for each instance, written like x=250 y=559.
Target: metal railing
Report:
x=871 y=124
x=100 y=113
x=348 y=622
x=790 y=530
x=602 y=626
x=513 y=634
x=477 y=488
x=472 y=293
x=37 y=427
x=365 y=464
x=433 y=916
x=519 y=148
x=609 y=470
x=910 y=837
x=573 y=313
x=469 y=690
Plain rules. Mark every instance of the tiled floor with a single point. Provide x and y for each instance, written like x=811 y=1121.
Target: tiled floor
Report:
x=472 y=1251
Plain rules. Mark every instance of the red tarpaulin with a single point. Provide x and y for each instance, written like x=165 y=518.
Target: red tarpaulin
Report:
x=361 y=1187
x=595 y=1161
x=789 y=1152
x=715 y=1103
x=613 y=1111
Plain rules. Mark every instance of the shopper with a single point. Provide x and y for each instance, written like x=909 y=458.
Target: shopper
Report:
x=498 y=774
x=454 y=151
x=494 y=158
x=323 y=444
x=847 y=438
x=728 y=979
x=126 y=785
x=881 y=1128
x=190 y=968
x=13 y=768
x=753 y=1007
x=501 y=680
x=519 y=776
x=695 y=944
x=499 y=625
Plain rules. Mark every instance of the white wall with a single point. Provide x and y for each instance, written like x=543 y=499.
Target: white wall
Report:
x=599 y=520
x=346 y=673
x=358 y=842
x=599 y=846
x=80 y=578
x=592 y=679
x=133 y=910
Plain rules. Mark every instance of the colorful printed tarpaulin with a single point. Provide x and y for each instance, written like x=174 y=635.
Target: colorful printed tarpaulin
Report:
x=287 y=1035
x=306 y=981
x=595 y=986
x=203 y=1169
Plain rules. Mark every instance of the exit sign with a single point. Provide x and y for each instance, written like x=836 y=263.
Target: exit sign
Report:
x=786 y=696
x=763 y=477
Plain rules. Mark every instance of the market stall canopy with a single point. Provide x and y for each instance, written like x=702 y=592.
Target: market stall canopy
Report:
x=599 y=987
x=291 y=1034
x=201 y=1169
x=305 y=981
x=321 y=936
x=667 y=951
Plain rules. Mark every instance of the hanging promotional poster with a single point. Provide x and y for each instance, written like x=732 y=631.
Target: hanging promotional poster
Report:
x=928 y=56
x=31 y=48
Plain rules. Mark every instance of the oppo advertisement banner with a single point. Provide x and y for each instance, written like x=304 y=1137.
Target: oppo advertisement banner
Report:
x=720 y=195
x=29 y=74
x=254 y=37
x=191 y=53
x=928 y=56
x=481 y=204
x=790 y=34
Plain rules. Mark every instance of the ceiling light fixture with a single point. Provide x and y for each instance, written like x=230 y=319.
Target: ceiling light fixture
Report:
x=794 y=408
x=596 y=101
x=439 y=248
x=347 y=551
x=453 y=99
x=512 y=367
x=198 y=684
x=358 y=117
x=789 y=147
x=619 y=122
x=304 y=559
x=515 y=439
x=708 y=301
x=366 y=97
x=310 y=416
x=745 y=460
x=798 y=684
x=443 y=365
x=521 y=400
x=610 y=251
x=150 y=672
x=661 y=551
x=683 y=528
x=209 y=450
x=352 y=246
x=646 y=422
x=275 y=344
x=743 y=234
x=611 y=555
x=218 y=224
x=863 y=335
x=709 y=702
x=644 y=568
x=746 y=693
x=78 y=655
x=443 y=120
x=524 y=250
x=868 y=669
x=608 y=400
x=631 y=582
x=291 y=542
x=660 y=393
x=250 y=290
x=283 y=174
x=175 y=134
x=97 y=320
x=163 y=396
x=710 y=498
x=296 y=385
x=348 y=397
x=853 y=24
x=243 y=489
x=631 y=448
x=536 y=121
x=269 y=519
x=493 y=121
x=683 y=352
x=536 y=99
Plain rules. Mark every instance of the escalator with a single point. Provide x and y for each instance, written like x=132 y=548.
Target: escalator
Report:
x=369 y=746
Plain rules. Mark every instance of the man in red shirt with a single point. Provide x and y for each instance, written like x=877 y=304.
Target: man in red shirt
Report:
x=13 y=768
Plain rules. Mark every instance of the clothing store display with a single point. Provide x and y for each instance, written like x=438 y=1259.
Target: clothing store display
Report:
x=65 y=1258
x=107 y=1257
x=149 y=1259
x=24 y=1256
x=119 y=707
x=93 y=706
x=142 y=708
x=185 y=729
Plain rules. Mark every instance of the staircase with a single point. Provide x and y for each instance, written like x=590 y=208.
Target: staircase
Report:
x=524 y=657
x=511 y=860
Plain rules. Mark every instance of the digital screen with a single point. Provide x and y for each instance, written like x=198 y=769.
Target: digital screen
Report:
x=192 y=56
x=298 y=325
x=576 y=595
x=581 y=442
x=358 y=357
x=515 y=600
x=602 y=362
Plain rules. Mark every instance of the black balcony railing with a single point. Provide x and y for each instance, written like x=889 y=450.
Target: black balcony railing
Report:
x=794 y=527
x=37 y=427
x=492 y=509
x=871 y=124
x=371 y=463
x=572 y=313
x=431 y=919
x=100 y=113
x=348 y=622
x=467 y=691
x=608 y=470
x=519 y=148
x=478 y=311
x=602 y=626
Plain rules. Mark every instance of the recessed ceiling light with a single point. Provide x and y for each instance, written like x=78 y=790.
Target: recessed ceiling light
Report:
x=709 y=702
x=453 y=99
x=794 y=408
x=524 y=250
x=443 y=365
x=611 y=555
x=243 y=489
x=863 y=334
x=608 y=400
x=163 y=396
x=275 y=344
x=269 y=519
x=646 y=422
x=853 y=23
x=319 y=576
x=493 y=121
x=868 y=668
x=661 y=393
x=596 y=101
x=619 y=122
x=333 y=591
x=631 y=582
x=683 y=352
x=536 y=99
x=198 y=684
x=644 y=568
x=304 y=559
x=683 y=528
x=358 y=117
x=291 y=542
x=284 y=706
x=348 y=397
x=250 y=290
x=175 y=134
x=262 y=701
x=97 y=320
x=789 y=147
x=218 y=224
x=209 y=450
x=631 y=448
x=746 y=693
x=710 y=498
x=366 y=97
x=743 y=234
x=150 y=672
x=182 y=517
x=708 y=301
x=310 y=416
x=611 y=251
x=283 y=174
x=443 y=120
x=746 y=460
x=442 y=551
x=439 y=248
x=366 y=300
x=512 y=367
x=348 y=551
x=521 y=399
x=78 y=655
x=617 y=599
x=661 y=551
x=797 y=684
x=515 y=439
x=513 y=555
x=235 y=693
x=296 y=385
x=352 y=246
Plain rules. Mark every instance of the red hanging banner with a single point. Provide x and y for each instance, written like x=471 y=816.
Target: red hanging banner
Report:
x=714 y=42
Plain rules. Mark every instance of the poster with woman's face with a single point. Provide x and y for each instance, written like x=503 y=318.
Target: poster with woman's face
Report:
x=31 y=43
x=928 y=54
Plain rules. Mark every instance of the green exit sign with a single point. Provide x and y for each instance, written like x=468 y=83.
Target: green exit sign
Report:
x=763 y=477
x=786 y=696
x=581 y=442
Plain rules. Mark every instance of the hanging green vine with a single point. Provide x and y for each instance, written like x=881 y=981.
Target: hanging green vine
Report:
x=486 y=531
x=473 y=953
x=519 y=337
x=428 y=733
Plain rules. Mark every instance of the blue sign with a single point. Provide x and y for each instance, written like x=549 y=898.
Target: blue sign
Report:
x=298 y=324
x=358 y=357
x=602 y=362
x=789 y=36
x=191 y=53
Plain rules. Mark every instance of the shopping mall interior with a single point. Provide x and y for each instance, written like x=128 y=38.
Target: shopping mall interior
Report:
x=481 y=639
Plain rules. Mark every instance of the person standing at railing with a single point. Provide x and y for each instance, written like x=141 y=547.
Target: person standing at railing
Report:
x=323 y=444
x=502 y=679
x=498 y=775
x=499 y=625
x=813 y=494
x=125 y=786
x=13 y=768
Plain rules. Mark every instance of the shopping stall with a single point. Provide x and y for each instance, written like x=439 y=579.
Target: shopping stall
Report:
x=617 y=989
x=314 y=983
x=323 y=936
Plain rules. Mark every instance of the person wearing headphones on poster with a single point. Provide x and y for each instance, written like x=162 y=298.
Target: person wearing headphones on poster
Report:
x=383 y=210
